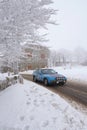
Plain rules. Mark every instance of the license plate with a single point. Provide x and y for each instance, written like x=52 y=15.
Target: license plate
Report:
x=57 y=82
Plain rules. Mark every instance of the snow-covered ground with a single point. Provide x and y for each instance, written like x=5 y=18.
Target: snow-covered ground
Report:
x=3 y=76
x=29 y=106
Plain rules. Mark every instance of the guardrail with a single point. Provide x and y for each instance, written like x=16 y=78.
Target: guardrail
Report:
x=28 y=76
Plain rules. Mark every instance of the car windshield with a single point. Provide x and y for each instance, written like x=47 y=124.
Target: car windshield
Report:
x=48 y=71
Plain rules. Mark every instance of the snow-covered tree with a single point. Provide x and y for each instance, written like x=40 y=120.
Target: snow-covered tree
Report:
x=20 y=21
x=80 y=55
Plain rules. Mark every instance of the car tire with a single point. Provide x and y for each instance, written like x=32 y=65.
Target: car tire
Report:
x=34 y=79
x=45 y=82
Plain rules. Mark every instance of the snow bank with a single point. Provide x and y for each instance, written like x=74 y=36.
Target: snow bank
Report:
x=32 y=107
x=2 y=76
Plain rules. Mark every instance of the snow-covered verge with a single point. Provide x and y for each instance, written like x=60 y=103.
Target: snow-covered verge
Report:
x=29 y=106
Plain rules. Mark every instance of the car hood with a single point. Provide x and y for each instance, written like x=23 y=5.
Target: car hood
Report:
x=54 y=75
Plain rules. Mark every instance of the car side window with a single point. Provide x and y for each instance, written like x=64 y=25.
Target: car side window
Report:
x=39 y=71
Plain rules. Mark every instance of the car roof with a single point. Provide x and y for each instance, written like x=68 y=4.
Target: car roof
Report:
x=45 y=69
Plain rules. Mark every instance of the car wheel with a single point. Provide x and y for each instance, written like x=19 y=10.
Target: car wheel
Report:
x=34 y=79
x=45 y=82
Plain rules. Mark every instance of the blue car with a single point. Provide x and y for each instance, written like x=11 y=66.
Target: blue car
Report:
x=48 y=77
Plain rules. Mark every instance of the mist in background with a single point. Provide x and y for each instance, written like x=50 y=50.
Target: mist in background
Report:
x=71 y=31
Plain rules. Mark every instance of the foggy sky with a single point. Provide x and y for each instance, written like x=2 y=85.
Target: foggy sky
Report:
x=72 y=29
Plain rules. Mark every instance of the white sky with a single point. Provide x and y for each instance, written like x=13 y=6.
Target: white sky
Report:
x=72 y=29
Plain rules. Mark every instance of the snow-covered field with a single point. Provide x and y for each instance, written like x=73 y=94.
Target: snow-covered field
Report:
x=29 y=106
x=75 y=73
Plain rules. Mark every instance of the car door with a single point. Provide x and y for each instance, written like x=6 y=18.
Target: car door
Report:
x=40 y=76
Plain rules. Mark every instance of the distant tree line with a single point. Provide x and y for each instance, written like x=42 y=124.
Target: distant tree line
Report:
x=64 y=56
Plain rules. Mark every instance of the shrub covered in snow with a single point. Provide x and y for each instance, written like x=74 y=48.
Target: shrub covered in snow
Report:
x=6 y=81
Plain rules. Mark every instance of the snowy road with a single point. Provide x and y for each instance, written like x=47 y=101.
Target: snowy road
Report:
x=73 y=90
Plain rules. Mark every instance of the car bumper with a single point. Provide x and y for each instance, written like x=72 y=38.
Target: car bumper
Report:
x=57 y=82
